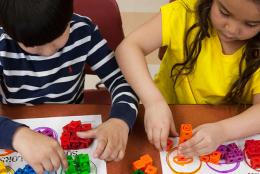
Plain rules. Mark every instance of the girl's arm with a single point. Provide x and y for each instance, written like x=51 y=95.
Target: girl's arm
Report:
x=244 y=124
x=130 y=56
x=208 y=137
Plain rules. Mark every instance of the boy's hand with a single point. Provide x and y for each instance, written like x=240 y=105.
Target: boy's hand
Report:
x=158 y=123
x=41 y=152
x=111 y=138
x=205 y=140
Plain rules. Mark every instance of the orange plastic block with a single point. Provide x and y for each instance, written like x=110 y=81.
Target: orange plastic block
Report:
x=139 y=165
x=150 y=169
x=204 y=158
x=185 y=132
x=147 y=159
x=215 y=157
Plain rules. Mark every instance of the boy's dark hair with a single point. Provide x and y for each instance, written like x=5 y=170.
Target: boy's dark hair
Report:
x=35 y=22
x=251 y=53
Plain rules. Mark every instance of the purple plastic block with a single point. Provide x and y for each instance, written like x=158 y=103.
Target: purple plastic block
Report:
x=232 y=147
x=232 y=157
x=223 y=150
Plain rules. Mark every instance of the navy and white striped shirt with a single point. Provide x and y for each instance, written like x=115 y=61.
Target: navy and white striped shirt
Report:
x=32 y=79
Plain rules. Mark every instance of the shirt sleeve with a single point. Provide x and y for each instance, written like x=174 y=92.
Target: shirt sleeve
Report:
x=102 y=60
x=7 y=129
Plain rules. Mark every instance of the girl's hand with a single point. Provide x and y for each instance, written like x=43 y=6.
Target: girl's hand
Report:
x=206 y=138
x=158 y=123
x=111 y=136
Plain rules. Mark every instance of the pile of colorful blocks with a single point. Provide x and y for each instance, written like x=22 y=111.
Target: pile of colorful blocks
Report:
x=144 y=165
x=69 y=139
x=229 y=153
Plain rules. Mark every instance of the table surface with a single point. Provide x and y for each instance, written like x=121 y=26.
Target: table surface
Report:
x=137 y=142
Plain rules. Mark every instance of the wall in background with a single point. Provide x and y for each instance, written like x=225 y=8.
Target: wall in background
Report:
x=140 y=5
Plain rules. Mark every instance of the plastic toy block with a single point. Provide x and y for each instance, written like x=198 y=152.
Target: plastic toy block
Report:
x=231 y=147
x=169 y=144
x=69 y=138
x=255 y=162
x=150 y=169
x=2 y=168
x=80 y=164
x=139 y=165
x=138 y=172
x=72 y=126
x=26 y=170
x=204 y=158
x=147 y=159
x=85 y=127
x=215 y=157
x=223 y=150
x=232 y=158
x=185 y=133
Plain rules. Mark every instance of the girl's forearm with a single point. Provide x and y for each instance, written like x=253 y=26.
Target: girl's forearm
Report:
x=242 y=125
x=131 y=60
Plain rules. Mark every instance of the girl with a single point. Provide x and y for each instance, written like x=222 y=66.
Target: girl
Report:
x=212 y=57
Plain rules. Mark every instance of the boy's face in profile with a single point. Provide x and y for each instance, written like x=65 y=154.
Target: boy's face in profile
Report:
x=49 y=48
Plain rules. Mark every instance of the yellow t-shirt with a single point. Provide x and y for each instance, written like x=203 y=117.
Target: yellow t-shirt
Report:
x=214 y=72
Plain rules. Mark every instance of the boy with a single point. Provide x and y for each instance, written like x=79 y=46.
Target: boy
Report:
x=43 y=51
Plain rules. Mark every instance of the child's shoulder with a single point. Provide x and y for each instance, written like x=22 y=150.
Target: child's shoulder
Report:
x=76 y=18
x=187 y=5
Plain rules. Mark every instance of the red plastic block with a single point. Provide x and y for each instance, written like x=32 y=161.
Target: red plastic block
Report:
x=169 y=144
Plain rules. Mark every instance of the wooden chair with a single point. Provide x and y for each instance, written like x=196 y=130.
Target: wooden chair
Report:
x=106 y=14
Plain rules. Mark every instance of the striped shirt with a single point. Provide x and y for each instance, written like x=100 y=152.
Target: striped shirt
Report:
x=32 y=79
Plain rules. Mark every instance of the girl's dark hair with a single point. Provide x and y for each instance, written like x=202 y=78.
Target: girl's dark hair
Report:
x=251 y=54
x=35 y=22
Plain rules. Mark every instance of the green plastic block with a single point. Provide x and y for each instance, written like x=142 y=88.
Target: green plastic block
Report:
x=138 y=172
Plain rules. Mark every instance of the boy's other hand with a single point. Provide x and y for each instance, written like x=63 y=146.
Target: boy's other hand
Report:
x=41 y=152
x=158 y=123
x=111 y=138
x=205 y=140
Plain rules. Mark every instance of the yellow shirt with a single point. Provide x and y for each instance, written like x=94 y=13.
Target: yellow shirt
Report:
x=214 y=72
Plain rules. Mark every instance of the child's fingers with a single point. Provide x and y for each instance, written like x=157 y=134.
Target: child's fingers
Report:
x=38 y=168
x=47 y=165
x=164 y=137
x=173 y=130
x=194 y=150
x=56 y=161
x=150 y=135
x=157 y=138
x=200 y=152
x=190 y=143
x=88 y=134
x=121 y=155
x=107 y=151
x=101 y=145
x=63 y=158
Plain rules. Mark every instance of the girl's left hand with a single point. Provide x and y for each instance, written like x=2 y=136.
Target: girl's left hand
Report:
x=205 y=140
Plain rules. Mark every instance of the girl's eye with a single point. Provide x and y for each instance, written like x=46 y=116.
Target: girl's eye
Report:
x=251 y=25
x=224 y=13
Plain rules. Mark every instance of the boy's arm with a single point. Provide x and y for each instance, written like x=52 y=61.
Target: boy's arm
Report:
x=7 y=131
x=102 y=61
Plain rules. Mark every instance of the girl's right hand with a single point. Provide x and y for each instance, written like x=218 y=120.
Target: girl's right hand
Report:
x=40 y=151
x=158 y=123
